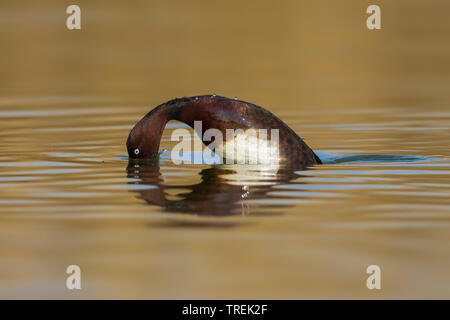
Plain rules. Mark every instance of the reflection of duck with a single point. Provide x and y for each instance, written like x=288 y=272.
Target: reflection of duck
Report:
x=224 y=190
x=219 y=113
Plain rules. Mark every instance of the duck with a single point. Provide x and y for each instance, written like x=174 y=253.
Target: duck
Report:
x=220 y=113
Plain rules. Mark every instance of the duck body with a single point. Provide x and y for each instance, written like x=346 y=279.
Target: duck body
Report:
x=220 y=113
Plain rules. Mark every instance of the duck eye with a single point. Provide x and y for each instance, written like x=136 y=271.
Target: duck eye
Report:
x=136 y=151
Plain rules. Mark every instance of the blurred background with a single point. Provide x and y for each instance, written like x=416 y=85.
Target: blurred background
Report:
x=316 y=53
x=69 y=98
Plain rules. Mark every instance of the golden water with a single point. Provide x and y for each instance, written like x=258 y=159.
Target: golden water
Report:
x=374 y=104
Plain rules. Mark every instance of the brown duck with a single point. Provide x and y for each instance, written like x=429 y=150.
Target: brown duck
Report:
x=220 y=113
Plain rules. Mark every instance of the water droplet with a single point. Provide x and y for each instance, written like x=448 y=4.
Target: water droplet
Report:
x=196 y=98
x=214 y=95
x=235 y=98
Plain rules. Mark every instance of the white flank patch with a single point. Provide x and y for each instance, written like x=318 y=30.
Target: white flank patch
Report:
x=250 y=147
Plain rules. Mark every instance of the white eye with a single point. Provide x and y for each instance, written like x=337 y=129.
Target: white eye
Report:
x=136 y=151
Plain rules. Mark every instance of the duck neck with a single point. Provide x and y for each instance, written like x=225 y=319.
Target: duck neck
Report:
x=155 y=121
